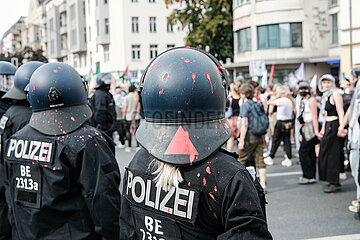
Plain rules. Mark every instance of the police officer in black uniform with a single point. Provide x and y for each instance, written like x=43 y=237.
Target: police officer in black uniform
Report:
x=62 y=175
x=15 y=118
x=182 y=185
x=7 y=71
x=102 y=105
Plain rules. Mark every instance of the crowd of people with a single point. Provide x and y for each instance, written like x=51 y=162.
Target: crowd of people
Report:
x=322 y=122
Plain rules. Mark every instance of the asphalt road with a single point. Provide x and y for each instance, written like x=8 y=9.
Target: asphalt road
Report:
x=296 y=211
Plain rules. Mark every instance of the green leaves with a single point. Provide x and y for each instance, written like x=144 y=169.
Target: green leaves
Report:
x=209 y=23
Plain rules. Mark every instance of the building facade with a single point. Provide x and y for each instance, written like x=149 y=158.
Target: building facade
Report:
x=344 y=31
x=11 y=40
x=103 y=35
x=286 y=33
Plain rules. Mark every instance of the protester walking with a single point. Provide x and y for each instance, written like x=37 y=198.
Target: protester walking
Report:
x=283 y=125
x=128 y=111
x=120 y=125
x=331 y=146
x=235 y=109
x=309 y=130
x=251 y=145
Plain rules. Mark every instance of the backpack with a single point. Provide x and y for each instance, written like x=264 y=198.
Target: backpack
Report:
x=258 y=119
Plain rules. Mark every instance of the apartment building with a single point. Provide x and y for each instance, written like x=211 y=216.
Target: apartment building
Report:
x=104 y=35
x=286 y=33
x=11 y=40
x=344 y=35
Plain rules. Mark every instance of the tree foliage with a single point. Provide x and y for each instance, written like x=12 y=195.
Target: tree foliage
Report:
x=209 y=23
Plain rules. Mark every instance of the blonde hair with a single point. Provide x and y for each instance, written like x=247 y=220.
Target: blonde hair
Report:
x=283 y=90
x=167 y=175
x=237 y=86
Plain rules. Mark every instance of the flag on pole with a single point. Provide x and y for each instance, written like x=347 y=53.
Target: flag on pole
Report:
x=300 y=73
x=272 y=73
x=127 y=70
x=313 y=83
x=126 y=73
x=88 y=78
x=97 y=70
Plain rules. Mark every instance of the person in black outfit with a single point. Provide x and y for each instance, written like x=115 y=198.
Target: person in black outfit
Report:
x=15 y=117
x=331 y=146
x=309 y=131
x=102 y=105
x=181 y=184
x=61 y=174
x=7 y=71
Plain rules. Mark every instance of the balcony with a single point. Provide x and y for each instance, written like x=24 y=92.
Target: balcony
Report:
x=63 y=29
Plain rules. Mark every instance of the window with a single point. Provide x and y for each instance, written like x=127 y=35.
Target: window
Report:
x=151 y=1
x=134 y=1
x=106 y=53
x=152 y=24
x=135 y=52
x=51 y=23
x=63 y=42
x=85 y=34
x=91 y=59
x=75 y=62
x=60 y=21
x=89 y=33
x=88 y=7
x=153 y=51
x=334 y=29
x=73 y=37
x=135 y=24
x=170 y=46
x=170 y=27
x=333 y=2
x=279 y=35
x=244 y=40
x=97 y=27
x=97 y=2
x=240 y=2
x=133 y=74
x=105 y=1
x=84 y=9
x=52 y=47
x=106 y=26
x=72 y=11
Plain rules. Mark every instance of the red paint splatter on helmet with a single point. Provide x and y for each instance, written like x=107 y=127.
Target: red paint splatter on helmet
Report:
x=161 y=92
x=165 y=76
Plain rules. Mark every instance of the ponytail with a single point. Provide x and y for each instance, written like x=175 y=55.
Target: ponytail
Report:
x=167 y=175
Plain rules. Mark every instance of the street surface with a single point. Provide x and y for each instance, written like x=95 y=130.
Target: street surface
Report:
x=296 y=211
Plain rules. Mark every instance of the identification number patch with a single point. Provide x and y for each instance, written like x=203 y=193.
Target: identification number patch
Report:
x=150 y=226
x=27 y=184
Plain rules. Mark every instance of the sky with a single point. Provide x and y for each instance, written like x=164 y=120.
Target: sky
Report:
x=11 y=11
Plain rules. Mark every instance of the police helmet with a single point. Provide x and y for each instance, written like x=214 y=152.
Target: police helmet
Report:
x=103 y=80
x=7 y=71
x=58 y=99
x=21 y=80
x=184 y=92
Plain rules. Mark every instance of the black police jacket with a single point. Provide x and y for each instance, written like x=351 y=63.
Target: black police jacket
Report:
x=216 y=200
x=62 y=187
x=103 y=107
x=15 y=118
